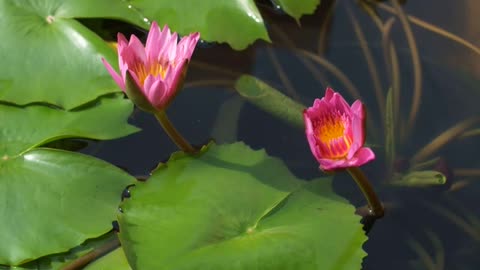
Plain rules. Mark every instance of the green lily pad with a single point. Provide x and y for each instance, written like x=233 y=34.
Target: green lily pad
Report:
x=47 y=194
x=237 y=22
x=234 y=208
x=114 y=260
x=48 y=56
x=24 y=128
x=53 y=200
x=297 y=8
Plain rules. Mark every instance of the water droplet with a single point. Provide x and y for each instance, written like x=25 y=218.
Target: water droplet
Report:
x=277 y=8
x=206 y=44
x=120 y=209
x=126 y=192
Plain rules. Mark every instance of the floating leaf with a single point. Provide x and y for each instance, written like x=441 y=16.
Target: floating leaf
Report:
x=234 y=208
x=297 y=8
x=63 y=260
x=101 y=246
x=270 y=100
x=24 y=128
x=53 y=200
x=237 y=22
x=114 y=260
x=47 y=194
x=48 y=56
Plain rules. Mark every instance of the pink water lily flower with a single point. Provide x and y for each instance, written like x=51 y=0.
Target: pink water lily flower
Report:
x=152 y=75
x=336 y=132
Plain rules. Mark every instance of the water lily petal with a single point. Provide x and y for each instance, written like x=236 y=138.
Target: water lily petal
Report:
x=340 y=103
x=176 y=75
x=363 y=156
x=158 y=94
x=135 y=48
x=116 y=77
x=147 y=85
x=171 y=48
x=165 y=40
x=151 y=75
x=312 y=140
x=358 y=122
x=153 y=44
x=332 y=164
x=186 y=46
x=329 y=94
x=353 y=149
x=336 y=132
x=320 y=108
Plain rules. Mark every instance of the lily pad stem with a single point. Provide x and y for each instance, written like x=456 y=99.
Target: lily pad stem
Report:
x=81 y=262
x=173 y=133
x=376 y=207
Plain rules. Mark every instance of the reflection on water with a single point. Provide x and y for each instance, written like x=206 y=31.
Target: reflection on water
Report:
x=424 y=228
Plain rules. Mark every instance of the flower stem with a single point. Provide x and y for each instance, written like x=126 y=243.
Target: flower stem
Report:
x=376 y=207
x=173 y=133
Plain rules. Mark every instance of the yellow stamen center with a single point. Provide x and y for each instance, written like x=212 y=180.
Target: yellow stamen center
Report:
x=155 y=69
x=329 y=129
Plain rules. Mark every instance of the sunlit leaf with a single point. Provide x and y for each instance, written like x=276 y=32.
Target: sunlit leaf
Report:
x=105 y=257
x=24 y=128
x=237 y=22
x=234 y=208
x=48 y=56
x=53 y=200
x=115 y=260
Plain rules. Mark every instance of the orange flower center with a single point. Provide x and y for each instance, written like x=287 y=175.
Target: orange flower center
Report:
x=333 y=139
x=330 y=128
x=155 y=69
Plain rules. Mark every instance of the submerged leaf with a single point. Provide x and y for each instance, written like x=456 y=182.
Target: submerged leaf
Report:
x=419 y=179
x=270 y=100
x=389 y=130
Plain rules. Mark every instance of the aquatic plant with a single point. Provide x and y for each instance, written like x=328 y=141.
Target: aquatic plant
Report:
x=151 y=75
x=336 y=132
x=222 y=205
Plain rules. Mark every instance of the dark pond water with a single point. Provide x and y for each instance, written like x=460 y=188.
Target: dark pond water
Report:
x=424 y=228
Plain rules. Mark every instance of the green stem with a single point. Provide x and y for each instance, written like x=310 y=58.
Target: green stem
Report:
x=376 y=207
x=173 y=133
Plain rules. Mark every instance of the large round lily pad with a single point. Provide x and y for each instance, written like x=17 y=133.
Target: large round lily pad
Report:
x=52 y=200
x=234 y=208
x=48 y=56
